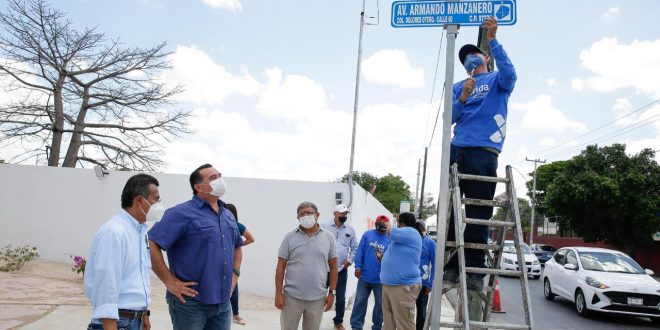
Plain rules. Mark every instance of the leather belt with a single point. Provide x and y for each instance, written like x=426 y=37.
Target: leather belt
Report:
x=131 y=314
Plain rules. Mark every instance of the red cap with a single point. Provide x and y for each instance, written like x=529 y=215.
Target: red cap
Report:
x=382 y=218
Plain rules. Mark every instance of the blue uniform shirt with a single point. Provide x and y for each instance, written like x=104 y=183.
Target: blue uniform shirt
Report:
x=373 y=245
x=427 y=261
x=200 y=247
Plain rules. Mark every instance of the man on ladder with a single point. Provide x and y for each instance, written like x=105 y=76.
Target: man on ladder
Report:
x=479 y=114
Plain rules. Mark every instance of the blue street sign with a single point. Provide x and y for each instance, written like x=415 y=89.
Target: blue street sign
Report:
x=440 y=13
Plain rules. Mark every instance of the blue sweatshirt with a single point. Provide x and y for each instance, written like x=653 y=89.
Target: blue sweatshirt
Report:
x=481 y=121
x=400 y=265
x=369 y=253
x=427 y=262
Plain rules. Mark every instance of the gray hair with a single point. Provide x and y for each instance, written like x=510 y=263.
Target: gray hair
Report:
x=304 y=205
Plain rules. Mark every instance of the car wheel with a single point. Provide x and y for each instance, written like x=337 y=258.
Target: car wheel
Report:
x=655 y=320
x=581 y=303
x=547 y=291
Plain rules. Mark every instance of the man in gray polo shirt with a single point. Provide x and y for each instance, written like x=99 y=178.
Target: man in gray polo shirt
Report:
x=307 y=255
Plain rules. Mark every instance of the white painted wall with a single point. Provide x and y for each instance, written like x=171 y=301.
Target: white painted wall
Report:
x=59 y=210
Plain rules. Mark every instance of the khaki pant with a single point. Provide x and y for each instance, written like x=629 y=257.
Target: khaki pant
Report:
x=399 y=306
x=310 y=310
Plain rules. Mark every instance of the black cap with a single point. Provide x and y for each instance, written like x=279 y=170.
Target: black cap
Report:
x=467 y=49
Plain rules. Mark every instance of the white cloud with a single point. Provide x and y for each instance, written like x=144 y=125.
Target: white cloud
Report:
x=615 y=65
x=551 y=82
x=541 y=116
x=548 y=142
x=392 y=67
x=293 y=96
x=230 y=5
x=611 y=12
x=577 y=84
x=621 y=108
x=204 y=81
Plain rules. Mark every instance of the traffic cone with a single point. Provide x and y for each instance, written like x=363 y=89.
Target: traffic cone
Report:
x=497 y=302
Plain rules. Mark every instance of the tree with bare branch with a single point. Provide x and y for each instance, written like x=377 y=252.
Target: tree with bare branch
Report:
x=81 y=98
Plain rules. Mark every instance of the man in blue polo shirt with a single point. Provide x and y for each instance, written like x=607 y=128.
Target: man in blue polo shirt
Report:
x=204 y=253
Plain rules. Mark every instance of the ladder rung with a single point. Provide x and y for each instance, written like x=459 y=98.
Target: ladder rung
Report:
x=474 y=246
x=484 y=202
x=492 y=223
x=476 y=270
x=482 y=178
x=485 y=325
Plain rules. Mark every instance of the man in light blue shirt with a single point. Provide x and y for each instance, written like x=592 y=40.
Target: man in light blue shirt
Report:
x=117 y=276
x=347 y=244
x=399 y=274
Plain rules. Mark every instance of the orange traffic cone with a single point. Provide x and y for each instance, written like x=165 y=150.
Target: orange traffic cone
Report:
x=497 y=303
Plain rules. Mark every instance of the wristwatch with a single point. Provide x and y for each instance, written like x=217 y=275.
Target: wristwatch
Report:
x=237 y=272
x=332 y=292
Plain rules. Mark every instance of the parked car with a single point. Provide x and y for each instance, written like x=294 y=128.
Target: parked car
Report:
x=510 y=259
x=543 y=251
x=602 y=280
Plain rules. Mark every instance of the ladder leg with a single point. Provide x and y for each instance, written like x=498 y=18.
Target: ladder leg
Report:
x=459 y=228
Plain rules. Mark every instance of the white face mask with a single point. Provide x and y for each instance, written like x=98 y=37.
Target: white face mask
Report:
x=155 y=212
x=219 y=187
x=307 y=221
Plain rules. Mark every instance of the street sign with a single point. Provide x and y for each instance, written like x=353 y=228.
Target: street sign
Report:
x=440 y=13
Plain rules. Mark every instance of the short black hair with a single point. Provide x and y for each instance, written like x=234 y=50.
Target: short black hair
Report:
x=196 y=178
x=137 y=185
x=232 y=209
x=408 y=219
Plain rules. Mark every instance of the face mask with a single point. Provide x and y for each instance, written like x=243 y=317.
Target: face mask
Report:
x=472 y=62
x=342 y=219
x=155 y=212
x=307 y=221
x=381 y=226
x=219 y=187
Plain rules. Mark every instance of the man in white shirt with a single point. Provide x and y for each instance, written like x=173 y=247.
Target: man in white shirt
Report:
x=117 y=275
x=347 y=244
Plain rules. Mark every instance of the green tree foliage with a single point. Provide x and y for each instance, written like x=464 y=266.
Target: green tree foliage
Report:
x=390 y=189
x=429 y=208
x=605 y=195
x=525 y=213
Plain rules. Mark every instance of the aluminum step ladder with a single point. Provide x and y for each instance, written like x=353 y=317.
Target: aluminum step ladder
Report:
x=511 y=220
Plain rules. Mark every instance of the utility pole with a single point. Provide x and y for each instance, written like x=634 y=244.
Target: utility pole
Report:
x=536 y=161
x=417 y=191
x=421 y=196
x=355 y=105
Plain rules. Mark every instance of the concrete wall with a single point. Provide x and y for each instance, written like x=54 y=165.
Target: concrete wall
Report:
x=59 y=210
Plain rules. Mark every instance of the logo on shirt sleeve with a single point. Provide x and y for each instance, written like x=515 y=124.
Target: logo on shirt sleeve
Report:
x=500 y=134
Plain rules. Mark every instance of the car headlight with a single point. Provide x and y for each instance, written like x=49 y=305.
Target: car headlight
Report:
x=508 y=261
x=595 y=283
x=536 y=262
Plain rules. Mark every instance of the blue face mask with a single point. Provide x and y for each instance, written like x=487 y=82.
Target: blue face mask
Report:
x=472 y=62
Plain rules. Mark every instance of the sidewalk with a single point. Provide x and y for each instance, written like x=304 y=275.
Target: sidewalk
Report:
x=47 y=295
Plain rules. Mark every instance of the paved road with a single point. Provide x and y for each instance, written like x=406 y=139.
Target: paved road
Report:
x=557 y=314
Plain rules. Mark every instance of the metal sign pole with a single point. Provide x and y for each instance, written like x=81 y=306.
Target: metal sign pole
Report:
x=443 y=199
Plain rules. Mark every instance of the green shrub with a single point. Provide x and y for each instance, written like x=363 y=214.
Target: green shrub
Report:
x=12 y=259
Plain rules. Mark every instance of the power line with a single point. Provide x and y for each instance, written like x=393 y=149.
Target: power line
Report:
x=610 y=135
x=599 y=128
x=435 y=78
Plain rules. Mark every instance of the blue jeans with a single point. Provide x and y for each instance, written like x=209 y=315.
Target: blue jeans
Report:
x=360 y=307
x=195 y=315
x=340 y=302
x=122 y=324
x=475 y=161
x=234 y=301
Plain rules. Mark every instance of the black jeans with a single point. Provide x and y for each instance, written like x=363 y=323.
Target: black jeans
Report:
x=475 y=161
x=421 y=303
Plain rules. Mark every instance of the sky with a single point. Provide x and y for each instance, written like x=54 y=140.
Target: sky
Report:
x=272 y=83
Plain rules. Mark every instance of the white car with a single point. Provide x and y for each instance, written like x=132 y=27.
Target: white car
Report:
x=602 y=280
x=510 y=259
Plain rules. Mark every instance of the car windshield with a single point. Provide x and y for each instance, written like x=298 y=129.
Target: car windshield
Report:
x=509 y=248
x=609 y=262
x=548 y=248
